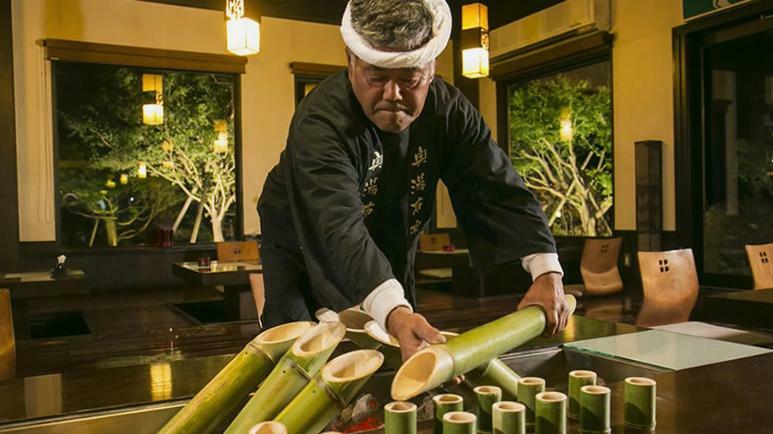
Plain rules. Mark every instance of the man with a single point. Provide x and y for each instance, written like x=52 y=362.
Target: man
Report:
x=342 y=211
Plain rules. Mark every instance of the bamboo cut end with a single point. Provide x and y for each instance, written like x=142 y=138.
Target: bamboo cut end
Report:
x=424 y=371
x=268 y=428
x=284 y=332
x=595 y=390
x=508 y=407
x=354 y=319
x=640 y=381
x=352 y=366
x=447 y=398
x=400 y=407
x=459 y=417
x=550 y=397
x=376 y=332
x=321 y=338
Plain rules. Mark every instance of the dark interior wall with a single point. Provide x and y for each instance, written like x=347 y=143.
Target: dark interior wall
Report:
x=9 y=205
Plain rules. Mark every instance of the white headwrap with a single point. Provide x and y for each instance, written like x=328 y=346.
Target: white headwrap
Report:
x=441 y=32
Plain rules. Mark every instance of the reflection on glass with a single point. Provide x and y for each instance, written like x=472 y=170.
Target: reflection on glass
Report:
x=738 y=149
x=43 y=395
x=561 y=142
x=160 y=381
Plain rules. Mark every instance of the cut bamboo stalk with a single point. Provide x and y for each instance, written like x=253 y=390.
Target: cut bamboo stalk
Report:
x=445 y=403
x=640 y=402
x=437 y=364
x=528 y=389
x=551 y=413
x=459 y=422
x=268 y=428
x=508 y=418
x=594 y=410
x=390 y=346
x=355 y=321
x=577 y=379
x=400 y=418
x=486 y=396
x=330 y=392
x=220 y=397
x=292 y=373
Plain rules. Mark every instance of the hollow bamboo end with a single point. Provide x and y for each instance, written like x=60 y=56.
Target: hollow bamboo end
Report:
x=321 y=338
x=325 y=314
x=354 y=319
x=532 y=381
x=508 y=407
x=268 y=428
x=352 y=366
x=487 y=390
x=425 y=370
x=376 y=332
x=640 y=381
x=447 y=398
x=284 y=332
x=551 y=397
x=459 y=417
x=400 y=407
x=580 y=373
x=595 y=390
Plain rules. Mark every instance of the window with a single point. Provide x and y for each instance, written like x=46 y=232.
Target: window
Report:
x=560 y=138
x=144 y=157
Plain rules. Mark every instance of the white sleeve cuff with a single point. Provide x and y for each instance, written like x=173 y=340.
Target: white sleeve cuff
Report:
x=383 y=300
x=538 y=264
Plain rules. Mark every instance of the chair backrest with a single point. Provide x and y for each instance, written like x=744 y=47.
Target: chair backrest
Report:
x=598 y=266
x=761 y=263
x=430 y=242
x=258 y=288
x=233 y=251
x=7 y=339
x=670 y=285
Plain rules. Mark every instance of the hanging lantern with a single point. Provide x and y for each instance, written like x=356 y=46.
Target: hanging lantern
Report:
x=566 y=133
x=153 y=114
x=142 y=170
x=110 y=184
x=475 y=40
x=220 y=145
x=124 y=179
x=243 y=34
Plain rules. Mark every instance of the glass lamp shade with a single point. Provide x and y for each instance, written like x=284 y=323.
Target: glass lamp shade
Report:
x=566 y=134
x=220 y=145
x=475 y=62
x=124 y=179
x=474 y=15
x=152 y=114
x=243 y=36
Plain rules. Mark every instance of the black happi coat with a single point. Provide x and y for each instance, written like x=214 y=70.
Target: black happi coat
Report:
x=321 y=204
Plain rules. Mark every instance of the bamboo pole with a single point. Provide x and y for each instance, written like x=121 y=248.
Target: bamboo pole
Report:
x=445 y=403
x=577 y=379
x=508 y=418
x=400 y=418
x=355 y=321
x=528 y=389
x=486 y=396
x=438 y=364
x=551 y=413
x=594 y=410
x=640 y=403
x=268 y=428
x=234 y=382
x=459 y=422
x=330 y=392
x=292 y=373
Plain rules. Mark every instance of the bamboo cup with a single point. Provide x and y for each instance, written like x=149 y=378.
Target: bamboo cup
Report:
x=390 y=347
x=528 y=389
x=594 y=410
x=577 y=379
x=551 y=413
x=330 y=392
x=304 y=359
x=508 y=417
x=268 y=428
x=445 y=403
x=355 y=321
x=235 y=381
x=438 y=364
x=400 y=418
x=486 y=396
x=459 y=422
x=640 y=399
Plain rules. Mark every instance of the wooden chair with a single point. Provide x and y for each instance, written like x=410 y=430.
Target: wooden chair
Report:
x=761 y=263
x=234 y=251
x=670 y=285
x=7 y=339
x=598 y=266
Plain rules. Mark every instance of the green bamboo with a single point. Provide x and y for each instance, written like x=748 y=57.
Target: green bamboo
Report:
x=330 y=392
x=508 y=418
x=551 y=413
x=486 y=396
x=445 y=403
x=235 y=381
x=528 y=389
x=594 y=410
x=304 y=359
x=268 y=428
x=577 y=379
x=437 y=364
x=495 y=373
x=355 y=320
x=459 y=422
x=400 y=418
x=640 y=399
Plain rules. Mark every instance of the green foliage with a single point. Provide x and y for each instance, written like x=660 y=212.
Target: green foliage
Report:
x=572 y=178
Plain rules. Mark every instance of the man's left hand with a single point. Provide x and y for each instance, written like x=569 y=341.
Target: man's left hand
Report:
x=547 y=291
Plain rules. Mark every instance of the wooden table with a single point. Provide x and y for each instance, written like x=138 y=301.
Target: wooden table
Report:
x=233 y=278
x=752 y=308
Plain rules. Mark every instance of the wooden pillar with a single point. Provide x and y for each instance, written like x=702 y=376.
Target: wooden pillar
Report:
x=7 y=340
x=9 y=204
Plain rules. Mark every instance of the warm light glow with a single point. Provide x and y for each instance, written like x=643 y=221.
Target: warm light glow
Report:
x=167 y=146
x=243 y=36
x=220 y=145
x=142 y=170
x=124 y=179
x=161 y=381
x=474 y=15
x=152 y=114
x=308 y=87
x=152 y=83
x=221 y=126
x=566 y=133
x=475 y=63
x=110 y=183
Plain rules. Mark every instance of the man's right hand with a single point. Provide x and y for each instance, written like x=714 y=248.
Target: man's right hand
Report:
x=412 y=330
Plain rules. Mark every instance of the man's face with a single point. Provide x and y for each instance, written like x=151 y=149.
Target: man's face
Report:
x=391 y=98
